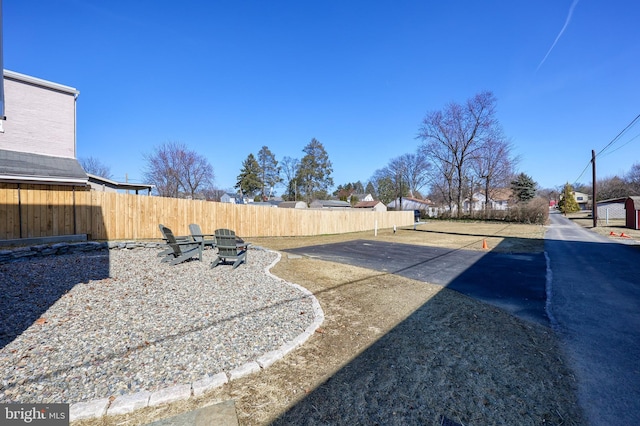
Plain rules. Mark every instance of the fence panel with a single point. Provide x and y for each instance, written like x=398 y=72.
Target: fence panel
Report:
x=43 y=211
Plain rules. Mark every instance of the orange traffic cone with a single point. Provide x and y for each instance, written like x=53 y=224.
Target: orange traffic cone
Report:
x=624 y=236
x=613 y=234
x=484 y=244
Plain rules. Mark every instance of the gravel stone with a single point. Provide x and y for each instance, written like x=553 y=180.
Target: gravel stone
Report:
x=86 y=326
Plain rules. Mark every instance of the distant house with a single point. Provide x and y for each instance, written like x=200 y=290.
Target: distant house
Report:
x=330 y=204
x=498 y=200
x=271 y=202
x=99 y=183
x=38 y=138
x=292 y=205
x=426 y=207
x=376 y=206
x=582 y=199
x=234 y=198
x=360 y=197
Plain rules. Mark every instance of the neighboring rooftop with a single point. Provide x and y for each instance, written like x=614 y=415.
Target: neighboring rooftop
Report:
x=24 y=167
x=98 y=182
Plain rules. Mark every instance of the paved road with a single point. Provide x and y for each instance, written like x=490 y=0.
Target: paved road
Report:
x=594 y=305
x=513 y=282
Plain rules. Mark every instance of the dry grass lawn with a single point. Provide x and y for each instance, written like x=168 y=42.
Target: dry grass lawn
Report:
x=615 y=226
x=397 y=351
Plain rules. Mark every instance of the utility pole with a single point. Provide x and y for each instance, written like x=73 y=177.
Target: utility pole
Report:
x=594 y=203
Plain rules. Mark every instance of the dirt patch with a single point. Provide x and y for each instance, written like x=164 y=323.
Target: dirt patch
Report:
x=397 y=351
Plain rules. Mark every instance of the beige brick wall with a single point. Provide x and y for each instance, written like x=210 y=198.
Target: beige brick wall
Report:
x=40 y=120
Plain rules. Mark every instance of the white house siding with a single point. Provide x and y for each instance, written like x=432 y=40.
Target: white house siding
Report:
x=412 y=204
x=479 y=202
x=380 y=207
x=40 y=116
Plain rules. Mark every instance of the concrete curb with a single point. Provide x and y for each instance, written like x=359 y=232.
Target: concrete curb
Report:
x=88 y=410
x=202 y=386
x=129 y=403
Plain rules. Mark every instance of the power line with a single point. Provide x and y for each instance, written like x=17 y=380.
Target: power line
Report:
x=614 y=140
x=623 y=145
x=581 y=173
x=633 y=122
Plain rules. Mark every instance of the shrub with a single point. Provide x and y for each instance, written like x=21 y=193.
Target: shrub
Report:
x=535 y=211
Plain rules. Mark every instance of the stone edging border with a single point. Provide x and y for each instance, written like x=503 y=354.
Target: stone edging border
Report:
x=42 y=250
x=128 y=403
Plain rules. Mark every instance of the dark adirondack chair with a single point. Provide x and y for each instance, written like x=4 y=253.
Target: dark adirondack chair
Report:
x=181 y=250
x=200 y=238
x=179 y=238
x=230 y=248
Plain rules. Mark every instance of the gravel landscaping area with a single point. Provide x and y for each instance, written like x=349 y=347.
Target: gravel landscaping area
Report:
x=79 y=327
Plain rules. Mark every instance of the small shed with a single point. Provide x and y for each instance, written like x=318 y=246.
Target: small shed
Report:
x=611 y=209
x=98 y=183
x=376 y=206
x=632 y=205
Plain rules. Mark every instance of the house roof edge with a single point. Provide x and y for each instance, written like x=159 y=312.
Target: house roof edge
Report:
x=40 y=82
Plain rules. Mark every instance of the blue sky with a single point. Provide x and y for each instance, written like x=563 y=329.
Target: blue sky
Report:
x=228 y=77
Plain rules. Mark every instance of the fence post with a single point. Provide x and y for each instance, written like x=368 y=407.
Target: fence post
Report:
x=19 y=212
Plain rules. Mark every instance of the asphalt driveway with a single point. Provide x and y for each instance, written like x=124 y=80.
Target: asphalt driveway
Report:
x=513 y=282
x=595 y=306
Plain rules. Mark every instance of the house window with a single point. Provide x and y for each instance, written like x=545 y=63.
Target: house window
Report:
x=580 y=198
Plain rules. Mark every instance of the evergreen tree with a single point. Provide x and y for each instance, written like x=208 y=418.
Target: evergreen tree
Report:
x=270 y=171
x=568 y=203
x=358 y=187
x=314 y=172
x=248 y=181
x=386 y=189
x=524 y=187
x=370 y=189
x=343 y=192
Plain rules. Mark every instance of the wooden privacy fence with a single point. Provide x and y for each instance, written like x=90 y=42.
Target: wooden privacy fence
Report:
x=31 y=211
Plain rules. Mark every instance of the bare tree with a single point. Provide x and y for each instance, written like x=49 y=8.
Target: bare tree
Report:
x=452 y=138
x=612 y=187
x=213 y=194
x=416 y=171
x=633 y=179
x=289 y=171
x=95 y=167
x=390 y=182
x=549 y=194
x=178 y=172
x=493 y=165
x=443 y=174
